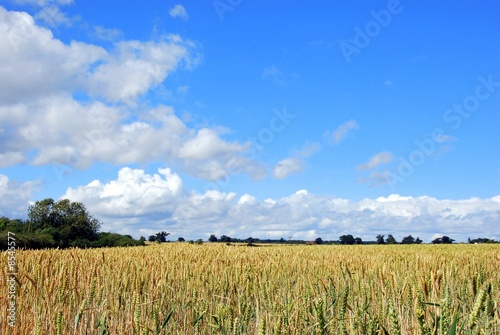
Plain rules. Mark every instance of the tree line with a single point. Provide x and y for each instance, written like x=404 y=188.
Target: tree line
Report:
x=343 y=239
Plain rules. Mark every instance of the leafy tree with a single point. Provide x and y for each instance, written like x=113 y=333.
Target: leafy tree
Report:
x=225 y=238
x=481 y=240
x=380 y=239
x=347 y=239
x=447 y=240
x=152 y=238
x=318 y=240
x=212 y=238
x=108 y=240
x=181 y=239
x=142 y=239
x=390 y=239
x=358 y=240
x=443 y=240
x=418 y=240
x=408 y=240
x=15 y=226
x=71 y=219
x=161 y=236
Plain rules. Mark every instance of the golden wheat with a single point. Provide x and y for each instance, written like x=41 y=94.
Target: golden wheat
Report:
x=180 y=288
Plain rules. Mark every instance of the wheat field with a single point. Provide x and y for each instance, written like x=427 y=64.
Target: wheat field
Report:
x=181 y=288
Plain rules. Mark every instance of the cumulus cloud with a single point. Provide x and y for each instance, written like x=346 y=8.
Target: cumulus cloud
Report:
x=341 y=132
x=381 y=158
x=295 y=163
x=42 y=123
x=134 y=67
x=133 y=193
x=179 y=11
x=31 y=55
x=207 y=144
x=139 y=203
x=15 y=196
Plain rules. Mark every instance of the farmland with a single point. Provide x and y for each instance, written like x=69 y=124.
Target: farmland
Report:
x=213 y=288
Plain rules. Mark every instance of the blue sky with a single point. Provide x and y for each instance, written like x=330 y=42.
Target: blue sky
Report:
x=255 y=118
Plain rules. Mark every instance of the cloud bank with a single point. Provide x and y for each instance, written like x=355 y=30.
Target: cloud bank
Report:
x=138 y=203
x=111 y=121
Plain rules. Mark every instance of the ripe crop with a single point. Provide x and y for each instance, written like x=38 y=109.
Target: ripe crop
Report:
x=180 y=288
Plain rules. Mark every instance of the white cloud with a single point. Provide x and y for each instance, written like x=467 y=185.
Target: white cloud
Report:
x=178 y=11
x=133 y=193
x=377 y=178
x=341 y=132
x=43 y=3
x=35 y=64
x=296 y=162
x=134 y=67
x=381 y=158
x=15 y=196
x=53 y=16
x=11 y=158
x=288 y=166
x=43 y=124
x=308 y=149
x=106 y=34
x=136 y=202
x=207 y=144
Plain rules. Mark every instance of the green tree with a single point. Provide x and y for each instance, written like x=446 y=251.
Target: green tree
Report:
x=347 y=239
x=212 y=238
x=443 y=240
x=161 y=236
x=319 y=240
x=481 y=240
x=71 y=220
x=225 y=238
x=390 y=239
x=408 y=240
x=380 y=239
